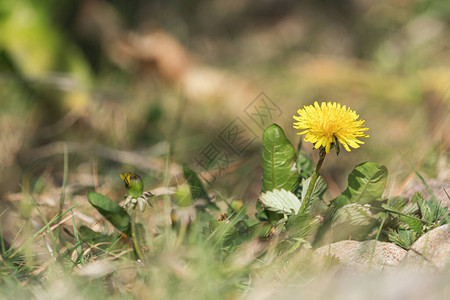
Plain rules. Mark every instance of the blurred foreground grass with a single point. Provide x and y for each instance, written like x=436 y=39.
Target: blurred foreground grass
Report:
x=87 y=91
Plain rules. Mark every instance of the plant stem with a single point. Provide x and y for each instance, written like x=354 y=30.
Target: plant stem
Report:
x=134 y=235
x=315 y=175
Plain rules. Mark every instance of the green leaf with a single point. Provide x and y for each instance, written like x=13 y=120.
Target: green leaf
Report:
x=304 y=163
x=402 y=238
x=112 y=211
x=220 y=229
x=182 y=195
x=260 y=229
x=88 y=235
x=278 y=161
x=439 y=211
x=411 y=209
x=101 y=241
x=431 y=210
x=407 y=213
x=393 y=210
x=417 y=198
x=198 y=190
x=38 y=48
x=299 y=226
x=318 y=190
x=261 y=213
x=354 y=214
x=230 y=233
x=398 y=203
x=281 y=201
x=410 y=223
x=366 y=183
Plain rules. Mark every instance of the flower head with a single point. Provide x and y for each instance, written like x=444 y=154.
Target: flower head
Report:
x=133 y=184
x=328 y=123
x=135 y=191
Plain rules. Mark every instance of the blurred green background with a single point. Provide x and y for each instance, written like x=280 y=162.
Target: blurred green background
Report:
x=145 y=86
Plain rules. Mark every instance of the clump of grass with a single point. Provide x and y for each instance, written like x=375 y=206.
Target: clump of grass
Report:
x=188 y=245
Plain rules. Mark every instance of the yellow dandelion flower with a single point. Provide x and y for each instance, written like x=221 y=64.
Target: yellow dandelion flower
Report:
x=330 y=122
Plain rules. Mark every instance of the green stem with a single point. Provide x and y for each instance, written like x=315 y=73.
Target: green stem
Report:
x=134 y=235
x=315 y=175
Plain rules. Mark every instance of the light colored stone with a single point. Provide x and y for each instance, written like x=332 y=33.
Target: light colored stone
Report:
x=431 y=249
x=355 y=256
x=401 y=284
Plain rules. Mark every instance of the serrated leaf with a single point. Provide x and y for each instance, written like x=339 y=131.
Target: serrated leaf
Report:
x=112 y=211
x=398 y=203
x=280 y=201
x=402 y=238
x=410 y=223
x=437 y=211
x=366 y=183
x=393 y=210
x=354 y=214
x=425 y=211
x=417 y=198
x=278 y=161
x=299 y=226
x=431 y=210
x=410 y=209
